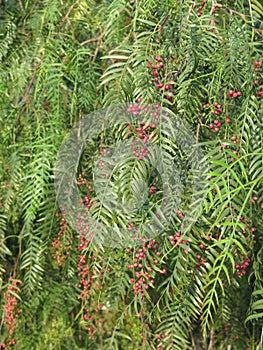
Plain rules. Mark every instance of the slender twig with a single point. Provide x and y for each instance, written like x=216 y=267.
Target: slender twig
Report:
x=230 y=10
x=199 y=123
x=212 y=22
x=211 y=343
x=25 y=97
x=71 y=26
x=67 y=14
x=192 y=339
x=20 y=249
x=21 y=6
x=162 y=24
x=89 y=41
x=98 y=40
x=32 y=79
x=242 y=15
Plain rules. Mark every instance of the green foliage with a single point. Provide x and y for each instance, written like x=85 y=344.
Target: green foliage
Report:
x=201 y=288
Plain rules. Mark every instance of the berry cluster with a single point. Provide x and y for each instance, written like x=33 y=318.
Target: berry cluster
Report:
x=162 y=340
x=10 y=313
x=202 y=248
x=260 y=92
x=180 y=214
x=159 y=76
x=85 y=274
x=146 y=135
x=81 y=179
x=142 y=283
x=131 y=226
x=234 y=94
x=215 y=125
x=91 y=322
x=83 y=182
x=143 y=131
x=235 y=153
x=258 y=69
x=200 y=8
x=138 y=108
x=87 y=202
x=143 y=266
x=216 y=109
x=61 y=245
x=176 y=240
x=152 y=190
x=242 y=266
x=90 y=282
x=83 y=224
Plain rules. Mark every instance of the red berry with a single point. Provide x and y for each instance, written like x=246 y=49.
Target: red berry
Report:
x=228 y=121
x=158 y=58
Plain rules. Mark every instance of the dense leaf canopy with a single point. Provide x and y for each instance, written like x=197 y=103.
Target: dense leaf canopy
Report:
x=190 y=64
